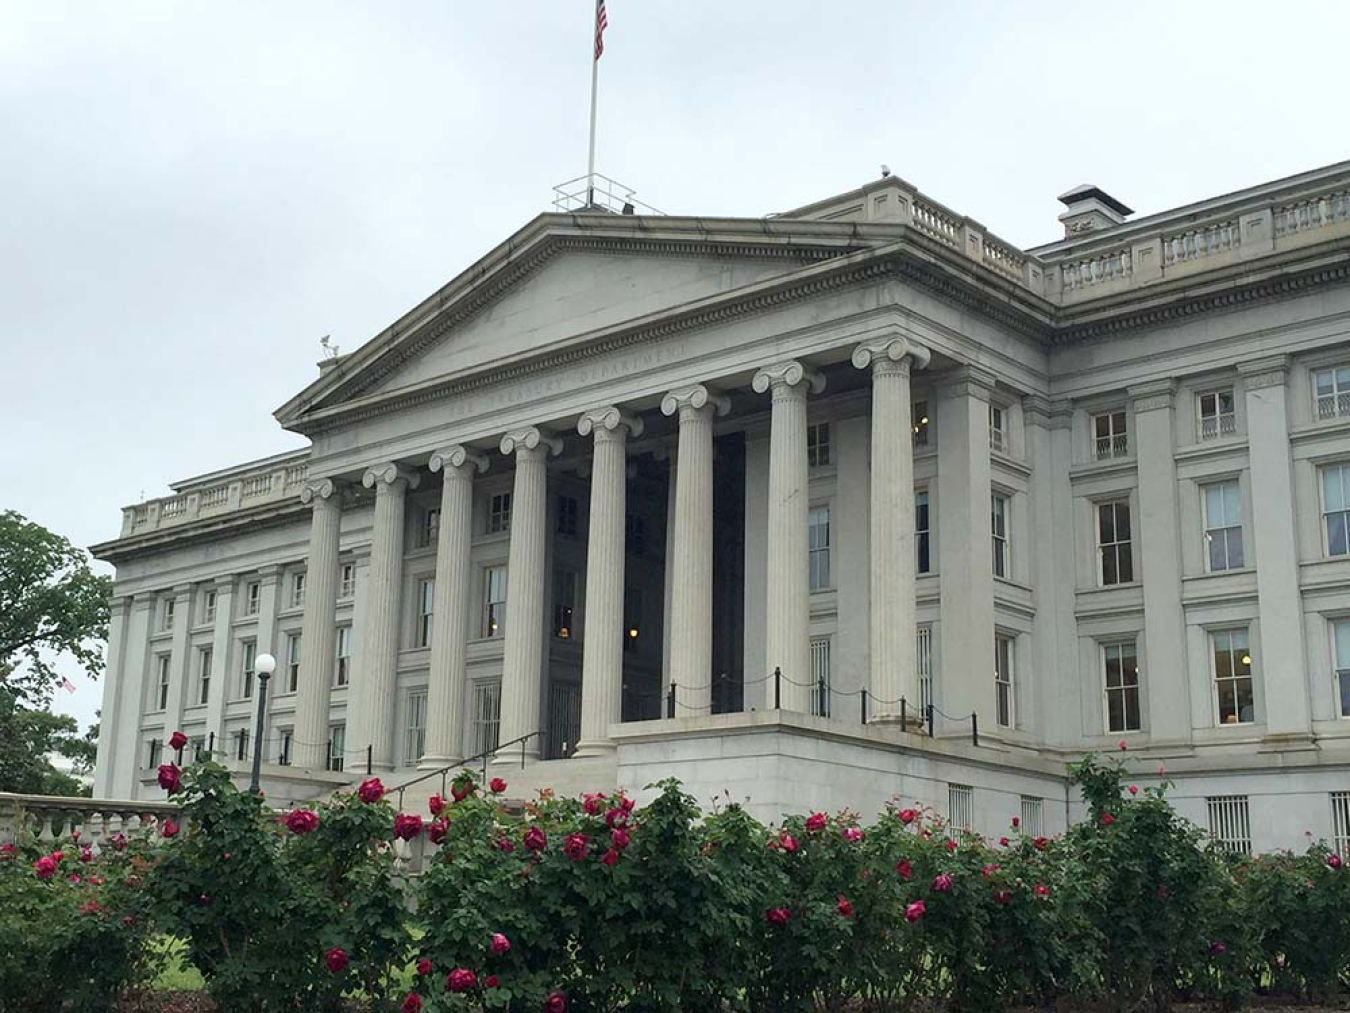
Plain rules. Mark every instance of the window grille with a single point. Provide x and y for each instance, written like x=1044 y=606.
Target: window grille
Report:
x=960 y=808
x=1340 y=822
x=1230 y=822
x=924 y=647
x=1217 y=417
x=487 y=716
x=1333 y=392
x=820 y=676
x=1031 y=816
x=1109 y=436
x=564 y=719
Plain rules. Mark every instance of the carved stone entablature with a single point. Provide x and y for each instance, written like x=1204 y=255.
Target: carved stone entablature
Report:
x=899 y=350
x=458 y=458
x=790 y=373
x=389 y=473
x=532 y=438
x=695 y=397
x=1269 y=372
x=609 y=419
x=1152 y=396
x=968 y=381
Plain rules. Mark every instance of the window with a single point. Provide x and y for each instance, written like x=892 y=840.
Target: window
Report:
x=499 y=513
x=337 y=747
x=209 y=606
x=292 y=662
x=960 y=808
x=1003 y=680
x=166 y=614
x=998 y=433
x=241 y=744
x=1121 y=664
x=818 y=445
x=1031 y=817
x=426 y=606
x=1341 y=631
x=249 y=653
x=1336 y=508
x=921 y=532
x=818 y=535
x=632 y=617
x=284 y=758
x=1216 y=414
x=1230 y=822
x=1223 y=526
x=564 y=603
x=494 y=601
x=919 y=413
x=924 y=648
x=1233 y=677
x=487 y=716
x=1333 y=392
x=347 y=585
x=431 y=527
x=297 y=590
x=343 y=671
x=1000 y=531
x=1340 y=822
x=155 y=752
x=204 y=659
x=635 y=536
x=1109 y=438
x=415 y=739
x=567 y=516
x=252 y=598
x=162 y=663
x=1113 y=543
x=820 y=676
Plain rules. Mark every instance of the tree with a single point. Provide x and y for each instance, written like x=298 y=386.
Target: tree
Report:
x=28 y=737
x=51 y=605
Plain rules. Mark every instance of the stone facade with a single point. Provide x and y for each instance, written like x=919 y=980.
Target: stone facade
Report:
x=735 y=500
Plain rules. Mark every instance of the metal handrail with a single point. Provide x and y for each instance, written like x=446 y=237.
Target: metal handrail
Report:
x=467 y=761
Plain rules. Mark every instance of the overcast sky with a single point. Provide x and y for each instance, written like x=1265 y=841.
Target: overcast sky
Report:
x=194 y=193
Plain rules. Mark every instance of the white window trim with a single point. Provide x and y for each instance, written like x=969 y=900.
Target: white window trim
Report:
x=1097 y=537
x=1010 y=679
x=1005 y=539
x=1219 y=416
x=1322 y=502
x=827 y=550
x=1214 y=677
x=1118 y=443
x=1208 y=528
x=1337 y=394
x=1102 y=648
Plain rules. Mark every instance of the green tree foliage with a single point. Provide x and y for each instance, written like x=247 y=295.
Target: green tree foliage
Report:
x=27 y=738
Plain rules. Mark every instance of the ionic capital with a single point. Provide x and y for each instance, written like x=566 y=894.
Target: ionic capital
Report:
x=388 y=474
x=608 y=419
x=531 y=438
x=790 y=373
x=457 y=459
x=696 y=396
x=884 y=351
x=317 y=488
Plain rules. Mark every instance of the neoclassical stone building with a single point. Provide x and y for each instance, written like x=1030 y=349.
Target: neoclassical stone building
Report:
x=736 y=499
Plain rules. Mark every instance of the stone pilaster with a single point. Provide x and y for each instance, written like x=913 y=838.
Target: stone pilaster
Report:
x=129 y=756
x=891 y=631
x=371 y=721
x=269 y=581
x=1281 y=661
x=222 y=642
x=180 y=661
x=526 y=586
x=691 y=580
x=602 y=647
x=788 y=608
x=447 y=683
x=318 y=640
x=114 y=706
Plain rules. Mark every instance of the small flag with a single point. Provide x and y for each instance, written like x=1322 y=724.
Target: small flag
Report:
x=601 y=23
x=67 y=685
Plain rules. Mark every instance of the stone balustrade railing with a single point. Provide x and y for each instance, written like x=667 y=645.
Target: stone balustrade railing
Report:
x=275 y=481
x=91 y=822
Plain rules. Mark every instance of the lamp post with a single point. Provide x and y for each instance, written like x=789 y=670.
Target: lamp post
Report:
x=264 y=665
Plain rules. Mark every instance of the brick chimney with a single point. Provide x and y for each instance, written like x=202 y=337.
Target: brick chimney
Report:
x=1090 y=209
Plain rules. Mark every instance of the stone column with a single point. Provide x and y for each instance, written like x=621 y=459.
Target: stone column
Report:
x=691 y=581
x=526 y=587
x=1281 y=659
x=318 y=640
x=114 y=704
x=893 y=668
x=129 y=750
x=371 y=721
x=787 y=632
x=1157 y=531
x=602 y=646
x=448 y=679
x=965 y=552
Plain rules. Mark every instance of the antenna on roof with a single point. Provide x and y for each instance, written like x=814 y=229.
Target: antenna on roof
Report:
x=330 y=350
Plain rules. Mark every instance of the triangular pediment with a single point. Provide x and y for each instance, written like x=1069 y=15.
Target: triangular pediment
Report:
x=562 y=279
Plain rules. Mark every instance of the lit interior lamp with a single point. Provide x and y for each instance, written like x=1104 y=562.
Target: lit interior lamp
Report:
x=1246 y=659
x=632 y=633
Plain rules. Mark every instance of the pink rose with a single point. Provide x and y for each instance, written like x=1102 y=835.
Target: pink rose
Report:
x=787 y=842
x=620 y=838
x=777 y=916
x=1334 y=860
x=610 y=857
x=908 y=815
x=853 y=834
x=555 y=1003
x=86 y=854
x=45 y=867
x=1016 y=822
x=816 y=822
x=989 y=870
x=1003 y=842
x=169 y=777
x=1121 y=745
x=407 y=825
x=1134 y=789
x=412 y=1003
x=461 y=979
x=906 y=868
x=591 y=804
x=336 y=959
x=371 y=790
x=1217 y=947
x=497 y=785
x=436 y=805
x=120 y=842
x=504 y=844
x=535 y=839
x=942 y=883
x=302 y=821
x=1107 y=819
x=575 y=846
x=7 y=852
x=500 y=944
x=616 y=817
x=170 y=829
x=1040 y=843
x=915 y=911
x=437 y=830
x=1041 y=890
x=491 y=981
x=424 y=967
x=844 y=907
x=177 y=741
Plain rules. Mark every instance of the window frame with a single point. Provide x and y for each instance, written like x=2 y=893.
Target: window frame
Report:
x=485 y=698
x=297 y=595
x=822 y=651
x=1117 y=442
x=337 y=746
x=248 y=661
x=499 y=507
x=1234 y=810
x=163 y=679
x=342 y=663
x=998 y=428
x=1124 y=689
x=415 y=735
x=205 y=659
x=819 y=562
x=1001 y=543
x=1339 y=395
x=424 y=618
x=819 y=445
x=1120 y=550
x=1005 y=676
x=346 y=581
x=1234 y=660
x=1218 y=415
x=210 y=597
x=494 y=609
x=253 y=598
x=168 y=606
x=921 y=423
x=566 y=599
x=1210 y=528
x=923 y=533
x=429 y=529
x=1342 y=469
x=293 y=648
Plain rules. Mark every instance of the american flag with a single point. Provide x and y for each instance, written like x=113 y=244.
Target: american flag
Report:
x=601 y=23
x=68 y=686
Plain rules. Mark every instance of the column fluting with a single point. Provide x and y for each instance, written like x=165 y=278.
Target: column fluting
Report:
x=318 y=641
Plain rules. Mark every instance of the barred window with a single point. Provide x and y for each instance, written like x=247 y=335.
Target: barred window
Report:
x=1340 y=822
x=820 y=676
x=1216 y=414
x=924 y=645
x=1031 y=816
x=1109 y=436
x=960 y=807
x=487 y=715
x=1230 y=822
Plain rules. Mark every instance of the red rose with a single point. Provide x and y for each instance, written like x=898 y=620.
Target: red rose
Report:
x=844 y=907
x=816 y=822
x=906 y=868
x=177 y=741
x=988 y=870
x=90 y=907
x=1122 y=746
x=915 y=911
x=1003 y=842
x=424 y=967
x=1040 y=843
x=610 y=857
x=45 y=867
x=908 y=815
x=949 y=844
x=169 y=777
x=1041 y=890
x=500 y=944
x=497 y=785
x=302 y=821
x=852 y=834
x=170 y=829
x=617 y=817
x=461 y=790
x=787 y=842
x=1134 y=789
x=1107 y=819
x=627 y=804
x=620 y=838
x=436 y=804
x=491 y=981
x=7 y=852
x=461 y=979
x=1334 y=861
x=535 y=839
x=591 y=804
x=86 y=854
x=555 y=1003
x=371 y=790
x=1002 y=896
x=1017 y=821
x=120 y=842
x=575 y=846
x=777 y=916
x=504 y=844
x=437 y=830
x=74 y=877
x=412 y=1003
x=336 y=959
x=407 y=825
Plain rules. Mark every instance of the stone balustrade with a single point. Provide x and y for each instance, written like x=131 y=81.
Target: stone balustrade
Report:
x=275 y=480
x=51 y=818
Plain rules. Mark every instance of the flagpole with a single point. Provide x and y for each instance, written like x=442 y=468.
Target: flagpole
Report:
x=595 y=81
